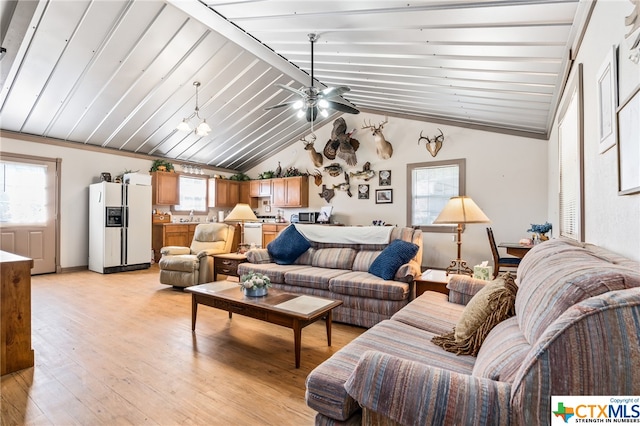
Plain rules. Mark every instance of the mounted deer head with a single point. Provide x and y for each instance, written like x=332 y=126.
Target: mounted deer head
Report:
x=317 y=177
x=316 y=157
x=384 y=149
x=433 y=145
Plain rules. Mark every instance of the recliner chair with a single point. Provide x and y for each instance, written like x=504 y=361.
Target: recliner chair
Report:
x=187 y=266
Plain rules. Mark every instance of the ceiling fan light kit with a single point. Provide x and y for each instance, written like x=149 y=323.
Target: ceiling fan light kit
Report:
x=203 y=128
x=315 y=101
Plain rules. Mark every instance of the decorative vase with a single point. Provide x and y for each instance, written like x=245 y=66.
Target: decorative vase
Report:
x=255 y=291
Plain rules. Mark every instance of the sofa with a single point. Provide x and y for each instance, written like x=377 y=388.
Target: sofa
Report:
x=576 y=331
x=193 y=265
x=336 y=265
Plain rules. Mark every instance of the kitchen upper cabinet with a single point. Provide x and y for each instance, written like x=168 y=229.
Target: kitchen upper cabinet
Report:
x=166 y=188
x=228 y=193
x=219 y=193
x=244 y=192
x=290 y=191
x=260 y=188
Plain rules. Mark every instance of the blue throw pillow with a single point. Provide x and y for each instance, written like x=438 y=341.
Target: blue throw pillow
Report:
x=392 y=258
x=288 y=246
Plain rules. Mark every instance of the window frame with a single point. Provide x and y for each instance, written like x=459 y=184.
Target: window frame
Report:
x=176 y=210
x=461 y=163
x=571 y=159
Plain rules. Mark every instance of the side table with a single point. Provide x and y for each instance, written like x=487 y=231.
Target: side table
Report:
x=227 y=264
x=432 y=280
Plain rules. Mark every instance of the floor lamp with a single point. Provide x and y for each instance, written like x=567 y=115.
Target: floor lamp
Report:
x=241 y=213
x=460 y=210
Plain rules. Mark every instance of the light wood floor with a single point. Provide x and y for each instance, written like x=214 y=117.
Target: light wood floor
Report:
x=118 y=349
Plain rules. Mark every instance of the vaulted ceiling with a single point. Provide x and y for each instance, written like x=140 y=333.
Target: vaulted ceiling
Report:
x=119 y=74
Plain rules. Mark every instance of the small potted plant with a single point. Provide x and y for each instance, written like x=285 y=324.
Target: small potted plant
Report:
x=255 y=284
x=541 y=230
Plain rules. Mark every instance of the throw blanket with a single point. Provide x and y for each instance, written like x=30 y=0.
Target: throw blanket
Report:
x=346 y=234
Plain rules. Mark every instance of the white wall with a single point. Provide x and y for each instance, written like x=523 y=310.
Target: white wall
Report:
x=506 y=177
x=611 y=221
x=80 y=168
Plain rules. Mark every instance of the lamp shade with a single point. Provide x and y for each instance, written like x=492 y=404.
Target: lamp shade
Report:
x=461 y=210
x=241 y=213
x=184 y=126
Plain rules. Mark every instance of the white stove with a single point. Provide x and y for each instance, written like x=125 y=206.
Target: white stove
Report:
x=266 y=219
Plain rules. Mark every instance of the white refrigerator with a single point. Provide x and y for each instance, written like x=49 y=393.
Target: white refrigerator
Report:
x=119 y=227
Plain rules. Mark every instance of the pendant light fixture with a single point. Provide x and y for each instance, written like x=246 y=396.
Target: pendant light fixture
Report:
x=203 y=128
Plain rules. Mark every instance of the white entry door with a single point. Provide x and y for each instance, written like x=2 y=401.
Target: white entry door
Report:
x=28 y=193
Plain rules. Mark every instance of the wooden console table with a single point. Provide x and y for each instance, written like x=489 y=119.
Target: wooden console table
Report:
x=15 y=308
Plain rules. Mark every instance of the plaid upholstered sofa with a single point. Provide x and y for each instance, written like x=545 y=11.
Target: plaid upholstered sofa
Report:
x=576 y=331
x=339 y=270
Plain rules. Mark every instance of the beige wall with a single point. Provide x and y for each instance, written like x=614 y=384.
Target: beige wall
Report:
x=506 y=176
x=80 y=168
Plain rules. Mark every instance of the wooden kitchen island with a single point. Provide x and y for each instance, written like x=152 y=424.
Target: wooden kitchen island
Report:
x=15 y=311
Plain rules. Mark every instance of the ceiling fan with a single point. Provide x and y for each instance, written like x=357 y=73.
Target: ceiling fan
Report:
x=313 y=100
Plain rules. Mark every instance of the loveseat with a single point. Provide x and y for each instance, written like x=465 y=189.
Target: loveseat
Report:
x=336 y=265
x=576 y=331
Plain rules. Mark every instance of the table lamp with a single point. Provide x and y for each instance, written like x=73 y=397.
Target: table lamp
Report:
x=241 y=213
x=460 y=210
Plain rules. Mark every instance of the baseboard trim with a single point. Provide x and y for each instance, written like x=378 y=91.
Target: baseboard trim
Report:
x=72 y=269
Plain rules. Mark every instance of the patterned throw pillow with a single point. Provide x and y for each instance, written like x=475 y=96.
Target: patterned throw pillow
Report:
x=396 y=254
x=490 y=306
x=288 y=246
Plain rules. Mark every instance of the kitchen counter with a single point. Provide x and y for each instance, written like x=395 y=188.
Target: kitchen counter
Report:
x=171 y=234
x=178 y=234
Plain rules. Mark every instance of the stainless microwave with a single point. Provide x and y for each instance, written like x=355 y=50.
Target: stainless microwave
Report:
x=308 y=217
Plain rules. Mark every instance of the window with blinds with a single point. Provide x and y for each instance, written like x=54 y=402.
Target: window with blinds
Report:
x=570 y=143
x=193 y=194
x=431 y=185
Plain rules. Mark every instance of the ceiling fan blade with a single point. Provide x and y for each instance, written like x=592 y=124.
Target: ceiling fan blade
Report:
x=286 y=104
x=343 y=108
x=291 y=89
x=331 y=92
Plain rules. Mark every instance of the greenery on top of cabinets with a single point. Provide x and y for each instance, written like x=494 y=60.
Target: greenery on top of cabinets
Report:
x=161 y=166
x=239 y=176
x=269 y=174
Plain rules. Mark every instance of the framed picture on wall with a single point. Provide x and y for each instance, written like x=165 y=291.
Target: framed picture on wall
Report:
x=384 y=178
x=384 y=196
x=607 y=101
x=629 y=145
x=363 y=191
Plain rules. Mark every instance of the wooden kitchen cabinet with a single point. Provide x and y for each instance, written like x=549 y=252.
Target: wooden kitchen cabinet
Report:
x=290 y=191
x=221 y=194
x=228 y=193
x=260 y=188
x=244 y=191
x=270 y=232
x=166 y=188
x=171 y=234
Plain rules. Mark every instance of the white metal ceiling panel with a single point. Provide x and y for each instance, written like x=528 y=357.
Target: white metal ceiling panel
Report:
x=119 y=74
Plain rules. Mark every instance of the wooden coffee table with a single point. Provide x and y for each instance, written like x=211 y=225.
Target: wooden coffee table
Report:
x=294 y=311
